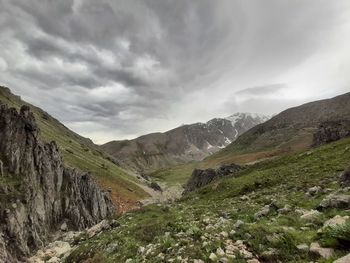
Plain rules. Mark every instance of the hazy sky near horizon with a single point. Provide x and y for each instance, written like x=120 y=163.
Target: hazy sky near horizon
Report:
x=119 y=69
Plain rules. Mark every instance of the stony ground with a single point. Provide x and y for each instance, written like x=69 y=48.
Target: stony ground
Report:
x=292 y=209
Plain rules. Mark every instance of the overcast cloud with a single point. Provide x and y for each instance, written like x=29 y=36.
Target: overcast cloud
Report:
x=123 y=68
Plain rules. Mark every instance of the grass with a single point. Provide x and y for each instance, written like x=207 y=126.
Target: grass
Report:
x=81 y=153
x=237 y=153
x=181 y=228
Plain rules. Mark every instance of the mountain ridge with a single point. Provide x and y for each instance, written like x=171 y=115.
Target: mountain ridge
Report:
x=291 y=130
x=186 y=143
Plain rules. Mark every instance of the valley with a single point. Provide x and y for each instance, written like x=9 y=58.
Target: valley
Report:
x=277 y=203
x=174 y=131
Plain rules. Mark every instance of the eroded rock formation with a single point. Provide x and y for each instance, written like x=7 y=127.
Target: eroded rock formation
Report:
x=37 y=192
x=200 y=178
x=331 y=131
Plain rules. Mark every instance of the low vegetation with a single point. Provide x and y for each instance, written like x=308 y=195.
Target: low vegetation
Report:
x=268 y=212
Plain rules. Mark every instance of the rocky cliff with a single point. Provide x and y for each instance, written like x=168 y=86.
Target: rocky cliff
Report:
x=331 y=131
x=37 y=192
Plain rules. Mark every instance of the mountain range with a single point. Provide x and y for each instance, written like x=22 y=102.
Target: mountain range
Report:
x=187 y=143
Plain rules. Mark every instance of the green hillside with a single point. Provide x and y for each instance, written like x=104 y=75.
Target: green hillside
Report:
x=81 y=153
x=206 y=221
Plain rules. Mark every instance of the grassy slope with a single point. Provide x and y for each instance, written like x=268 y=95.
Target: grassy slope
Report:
x=284 y=180
x=237 y=152
x=81 y=153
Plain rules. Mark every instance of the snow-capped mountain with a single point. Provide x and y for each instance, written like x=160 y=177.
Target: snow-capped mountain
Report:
x=183 y=144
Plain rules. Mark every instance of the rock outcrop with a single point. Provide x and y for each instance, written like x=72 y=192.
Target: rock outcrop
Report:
x=345 y=178
x=200 y=178
x=331 y=131
x=37 y=192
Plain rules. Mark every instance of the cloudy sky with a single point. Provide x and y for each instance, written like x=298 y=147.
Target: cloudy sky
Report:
x=122 y=68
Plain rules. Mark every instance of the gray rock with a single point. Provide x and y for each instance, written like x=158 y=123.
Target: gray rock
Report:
x=336 y=221
x=318 y=251
x=303 y=247
x=200 y=178
x=311 y=215
x=345 y=259
x=335 y=201
x=1 y=169
x=314 y=190
x=345 y=178
x=213 y=257
x=50 y=193
x=269 y=255
x=263 y=212
x=64 y=227
x=330 y=131
x=238 y=224
x=286 y=209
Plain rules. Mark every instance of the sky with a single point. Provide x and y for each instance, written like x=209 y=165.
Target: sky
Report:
x=112 y=70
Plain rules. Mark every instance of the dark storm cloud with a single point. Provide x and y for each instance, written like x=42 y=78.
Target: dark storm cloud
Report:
x=127 y=67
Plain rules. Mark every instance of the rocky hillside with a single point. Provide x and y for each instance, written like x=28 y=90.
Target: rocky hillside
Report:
x=183 y=144
x=290 y=131
x=294 y=208
x=37 y=192
x=79 y=152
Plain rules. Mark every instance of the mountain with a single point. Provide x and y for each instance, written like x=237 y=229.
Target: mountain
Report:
x=186 y=143
x=291 y=130
x=80 y=153
x=37 y=192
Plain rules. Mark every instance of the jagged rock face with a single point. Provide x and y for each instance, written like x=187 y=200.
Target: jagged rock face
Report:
x=200 y=178
x=183 y=144
x=37 y=192
x=331 y=131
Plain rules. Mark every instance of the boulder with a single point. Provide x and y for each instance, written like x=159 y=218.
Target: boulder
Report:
x=269 y=255
x=345 y=178
x=318 y=251
x=314 y=190
x=263 y=212
x=64 y=227
x=311 y=215
x=103 y=225
x=336 y=221
x=345 y=259
x=286 y=209
x=303 y=247
x=155 y=187
x=341 y=201
x=330 y=131
x=200 y=178
x=238 y=224
x=213 y=257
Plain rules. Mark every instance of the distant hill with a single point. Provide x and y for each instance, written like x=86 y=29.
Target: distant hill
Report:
x=291 y=130
x=79 y=152
x=184 y=144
